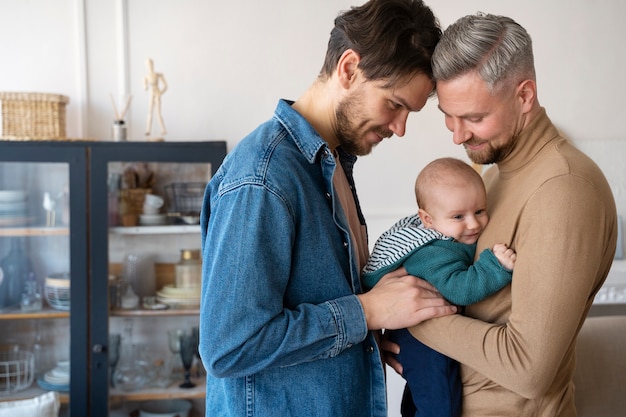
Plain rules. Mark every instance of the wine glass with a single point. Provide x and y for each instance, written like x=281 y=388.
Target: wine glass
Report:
x=188 y=346
x=114 y=353
x=173 y=337
x=195 y=331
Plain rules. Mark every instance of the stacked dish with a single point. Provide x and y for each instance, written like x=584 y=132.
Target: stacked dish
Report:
x=179 y=297
x=57 y=378
x=13 y=208
x=152 y=219
x=151 y=208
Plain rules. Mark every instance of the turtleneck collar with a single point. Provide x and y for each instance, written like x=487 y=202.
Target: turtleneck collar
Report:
x=531 y=140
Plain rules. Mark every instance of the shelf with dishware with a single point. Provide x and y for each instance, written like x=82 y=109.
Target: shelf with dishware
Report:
x=144 y=368
x=168 y=300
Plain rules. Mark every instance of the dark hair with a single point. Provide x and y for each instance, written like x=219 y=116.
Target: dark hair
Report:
x=394 y=38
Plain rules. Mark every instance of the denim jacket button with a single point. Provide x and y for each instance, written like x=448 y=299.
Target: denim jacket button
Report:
x=328 y=196
x=369 y=349
x=345 y=244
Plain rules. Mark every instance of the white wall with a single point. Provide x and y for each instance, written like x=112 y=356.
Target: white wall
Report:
x=227 y=63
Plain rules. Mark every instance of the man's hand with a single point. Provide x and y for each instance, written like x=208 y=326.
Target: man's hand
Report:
x=400 y=300
x=389 y=350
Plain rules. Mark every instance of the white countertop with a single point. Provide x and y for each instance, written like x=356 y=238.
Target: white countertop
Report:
x=614 y=289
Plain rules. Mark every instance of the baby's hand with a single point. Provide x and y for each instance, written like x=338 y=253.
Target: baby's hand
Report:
x=505 y=255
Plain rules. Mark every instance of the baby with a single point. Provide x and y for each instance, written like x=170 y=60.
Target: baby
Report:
x=438 y=244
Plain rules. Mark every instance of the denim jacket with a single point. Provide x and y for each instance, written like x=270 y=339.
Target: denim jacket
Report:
x=282 y=331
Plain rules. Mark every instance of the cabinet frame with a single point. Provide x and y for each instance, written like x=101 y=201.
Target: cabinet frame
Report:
x=99 y=159
x=73 y=154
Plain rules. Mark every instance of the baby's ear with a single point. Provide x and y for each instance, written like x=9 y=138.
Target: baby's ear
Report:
x=425 y=217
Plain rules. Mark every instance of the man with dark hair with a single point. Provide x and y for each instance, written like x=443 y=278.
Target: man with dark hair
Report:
x=285 y=328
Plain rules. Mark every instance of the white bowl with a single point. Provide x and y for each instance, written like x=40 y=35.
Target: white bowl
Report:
x=165 y=408
x=152 y=219
x=191 y=219
x=150 y=209
x=153 y=200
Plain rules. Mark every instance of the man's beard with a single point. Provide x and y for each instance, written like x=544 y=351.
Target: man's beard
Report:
x=491 y=155
x=350 y=136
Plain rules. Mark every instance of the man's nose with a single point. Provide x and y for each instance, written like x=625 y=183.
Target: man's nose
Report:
x=460 y=133
x=398 y=124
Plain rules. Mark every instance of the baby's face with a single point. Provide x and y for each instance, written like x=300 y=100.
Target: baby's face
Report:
x=459 y=212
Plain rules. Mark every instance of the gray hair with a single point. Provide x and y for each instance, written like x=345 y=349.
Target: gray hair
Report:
x=496 y=47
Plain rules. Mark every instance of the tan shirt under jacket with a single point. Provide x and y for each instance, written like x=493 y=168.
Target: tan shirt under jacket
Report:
x=553 y=205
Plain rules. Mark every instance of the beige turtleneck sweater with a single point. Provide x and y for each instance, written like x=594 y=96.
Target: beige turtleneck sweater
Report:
x=553 y=206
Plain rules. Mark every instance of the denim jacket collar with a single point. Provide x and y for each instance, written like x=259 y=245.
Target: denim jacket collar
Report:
x=306 y=138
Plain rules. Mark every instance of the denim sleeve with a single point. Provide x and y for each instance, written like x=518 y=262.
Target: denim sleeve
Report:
x=272 y=295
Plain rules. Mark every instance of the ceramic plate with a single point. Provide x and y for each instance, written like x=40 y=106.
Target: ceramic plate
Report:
x=53 y=387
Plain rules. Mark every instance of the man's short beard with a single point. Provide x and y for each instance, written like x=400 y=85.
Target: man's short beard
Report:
x=347 y=134
x=492 y=155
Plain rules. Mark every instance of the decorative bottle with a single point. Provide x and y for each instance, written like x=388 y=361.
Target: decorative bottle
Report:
x=113 y=199
x=189 y=269
x=31 y=297
x=15 y=268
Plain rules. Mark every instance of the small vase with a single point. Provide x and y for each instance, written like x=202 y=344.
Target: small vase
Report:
x=15 y=268
x=31 y=297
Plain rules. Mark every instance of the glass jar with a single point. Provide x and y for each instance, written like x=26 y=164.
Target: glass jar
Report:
x=189 y=269
x=31 y=297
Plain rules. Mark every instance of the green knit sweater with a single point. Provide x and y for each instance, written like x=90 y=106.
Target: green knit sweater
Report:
x=450 y=267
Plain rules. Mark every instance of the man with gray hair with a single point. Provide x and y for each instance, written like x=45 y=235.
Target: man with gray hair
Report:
x=547 y=201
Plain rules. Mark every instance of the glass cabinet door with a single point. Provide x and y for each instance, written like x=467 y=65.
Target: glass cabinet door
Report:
x=147 y=239
x=42 y=273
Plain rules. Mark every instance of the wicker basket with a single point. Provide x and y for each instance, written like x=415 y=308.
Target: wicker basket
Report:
x=132 y=199
x=35 y=116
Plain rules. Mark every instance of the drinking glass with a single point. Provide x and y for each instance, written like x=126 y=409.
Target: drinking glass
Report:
x=188 y=347
x=195 y=331
x=114 y=353
x=175 y=364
